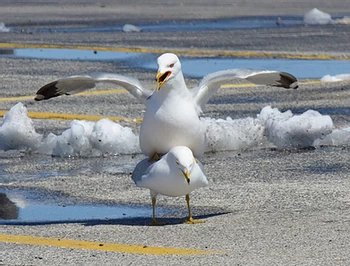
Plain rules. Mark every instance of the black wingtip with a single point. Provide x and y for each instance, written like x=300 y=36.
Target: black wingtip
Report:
x=294 y=85
x=39 y=97
x=288 y=81
x=48 y=91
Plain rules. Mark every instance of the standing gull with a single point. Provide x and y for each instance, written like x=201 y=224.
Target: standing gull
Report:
x=172 y=110
x=176 y=174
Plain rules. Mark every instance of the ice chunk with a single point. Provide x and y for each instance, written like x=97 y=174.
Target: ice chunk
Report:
x=338 y=137
x=75 y=140
x=298 y=131
x=318 y=17
x=48 y=144
x=232 y=134
x=340 y=77
x=86 y=138
x=131 y=28
x=112 y=138
x=3 y=28
x=17 y=130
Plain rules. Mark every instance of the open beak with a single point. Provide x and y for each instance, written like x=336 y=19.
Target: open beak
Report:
x=161 y=78
x=187 y=176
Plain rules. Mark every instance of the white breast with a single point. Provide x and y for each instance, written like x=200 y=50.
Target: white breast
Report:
x=172 y=183
x=174 y=122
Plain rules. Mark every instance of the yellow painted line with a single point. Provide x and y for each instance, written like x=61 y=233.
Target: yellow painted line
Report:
x=78 y=244
x=242 y=85
x=95 y=92
x=60 y=116
x=311 y=81
x=103 y=92
x=197 y=52
x=15 y=99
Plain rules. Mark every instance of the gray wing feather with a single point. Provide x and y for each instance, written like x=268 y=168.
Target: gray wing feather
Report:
x=142 y=168
x=75 y=84
x=210 y=83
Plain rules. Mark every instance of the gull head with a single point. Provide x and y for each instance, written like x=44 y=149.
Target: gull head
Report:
x=169 y=67
x=181 y=158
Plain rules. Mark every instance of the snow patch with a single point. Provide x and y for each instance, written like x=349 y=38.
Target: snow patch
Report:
x=232 y=134
x=286 y=130
x=271 y=127
x=131 y=28
x=318 y=17
x=17 y=130
x=3 y=28
x=340 y=77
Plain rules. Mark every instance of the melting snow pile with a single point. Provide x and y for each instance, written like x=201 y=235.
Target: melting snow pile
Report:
x=340 y=77
x=131 y=28
x=86 y=138
x=286 y=130
x=3 y=28
x=83 y=138
x=17 y=130
x=232 y=134
x=318 y=17
x=337 y=137
x=115 y=138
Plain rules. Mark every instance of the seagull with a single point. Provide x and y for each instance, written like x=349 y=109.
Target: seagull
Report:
x=172 y=110
x=175 y=174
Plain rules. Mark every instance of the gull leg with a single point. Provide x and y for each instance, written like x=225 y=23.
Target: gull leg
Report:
x=190 y=219
x=154 y=220
x=155 y=157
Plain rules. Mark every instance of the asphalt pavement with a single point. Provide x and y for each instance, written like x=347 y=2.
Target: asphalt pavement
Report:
x=262 y=207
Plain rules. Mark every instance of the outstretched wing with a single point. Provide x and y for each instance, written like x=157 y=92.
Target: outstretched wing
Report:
x=212 y=82
x=75 y=84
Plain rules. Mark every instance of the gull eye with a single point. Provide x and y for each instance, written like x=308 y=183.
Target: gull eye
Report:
x=172 y=65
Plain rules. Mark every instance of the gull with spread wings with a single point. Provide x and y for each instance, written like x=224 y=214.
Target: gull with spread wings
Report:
x=172 y=110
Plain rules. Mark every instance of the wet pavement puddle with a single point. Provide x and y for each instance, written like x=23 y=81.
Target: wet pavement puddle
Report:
x=192 y=67
x=302 y=69
x=32 y=206
x=22 y=207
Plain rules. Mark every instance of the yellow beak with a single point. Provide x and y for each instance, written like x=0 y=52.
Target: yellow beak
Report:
x=161 y=78
x=187 y=176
